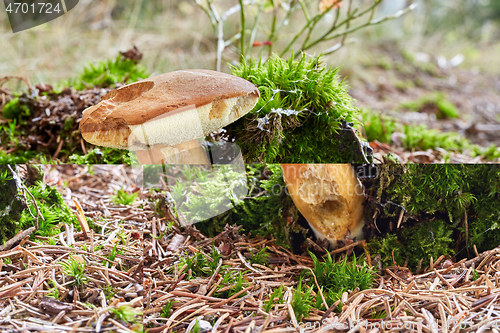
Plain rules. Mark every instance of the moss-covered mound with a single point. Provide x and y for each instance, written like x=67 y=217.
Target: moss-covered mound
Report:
x=413 y=212
x=447 y=210
x=267 y=209
x=304 y=114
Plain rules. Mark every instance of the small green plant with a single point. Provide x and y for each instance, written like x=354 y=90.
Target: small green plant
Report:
x=342 y=276
x=302 y=301
x=11 y=134
x=109 y=292
x=275 y=298
x=260 y=257
x=235 y=280
x=111 y=256
x=196 y=327
x=195 y=264
x=475 y=275
x=76 y=269
x=126 y=313
x=90 y=305
x=122 y=235
x=167 y=308
x=338 y=277
x=53 y=241
x=54 y=292
x=5 y=176
x=123 y=197
x=381 y=314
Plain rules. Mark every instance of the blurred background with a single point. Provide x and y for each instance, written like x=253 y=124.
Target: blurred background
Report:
x=176 y=34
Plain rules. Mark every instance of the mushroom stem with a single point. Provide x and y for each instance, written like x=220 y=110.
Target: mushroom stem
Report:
x=329 y=196
x=189 y=152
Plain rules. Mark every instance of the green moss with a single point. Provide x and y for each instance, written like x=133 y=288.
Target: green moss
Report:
x=14 y=109
x=16 y=216
x=389 y=248
x=377 y=126
x=381 y=128
x=266 y=211
x=299 y=116
x=11 y=204
x=53 y=209
x=436 y=103
x=102 y=156
x=107 y=73
x=338 y=277
x=461 y=202
x=425 y=138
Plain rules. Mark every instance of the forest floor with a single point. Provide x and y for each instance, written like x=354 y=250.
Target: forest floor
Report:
x=446 y=297
x=77 y=281
x=142 y=269
x=406 y=87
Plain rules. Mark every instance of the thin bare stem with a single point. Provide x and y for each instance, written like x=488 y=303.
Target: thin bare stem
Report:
x=255 y=25
x=348 y=22
x=220 y=36
x=353 y=16
x=373 y=22
x=242 y=37
x=273 y=25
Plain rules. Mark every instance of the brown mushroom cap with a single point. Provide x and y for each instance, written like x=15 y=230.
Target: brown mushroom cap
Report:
x=167 y=109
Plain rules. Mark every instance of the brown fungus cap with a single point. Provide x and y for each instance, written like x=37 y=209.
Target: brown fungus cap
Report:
x=167 y=109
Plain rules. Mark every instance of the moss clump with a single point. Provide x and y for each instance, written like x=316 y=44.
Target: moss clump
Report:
x=107 y=73
x=377 y=126
x=102 y=156
x=14 y=109
x=301 y=116
x=338 y=277
x=16 y=216
x=461 y=202
x=266 y=210
x=436 y=103
x=419 y=242
x=51 y=206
